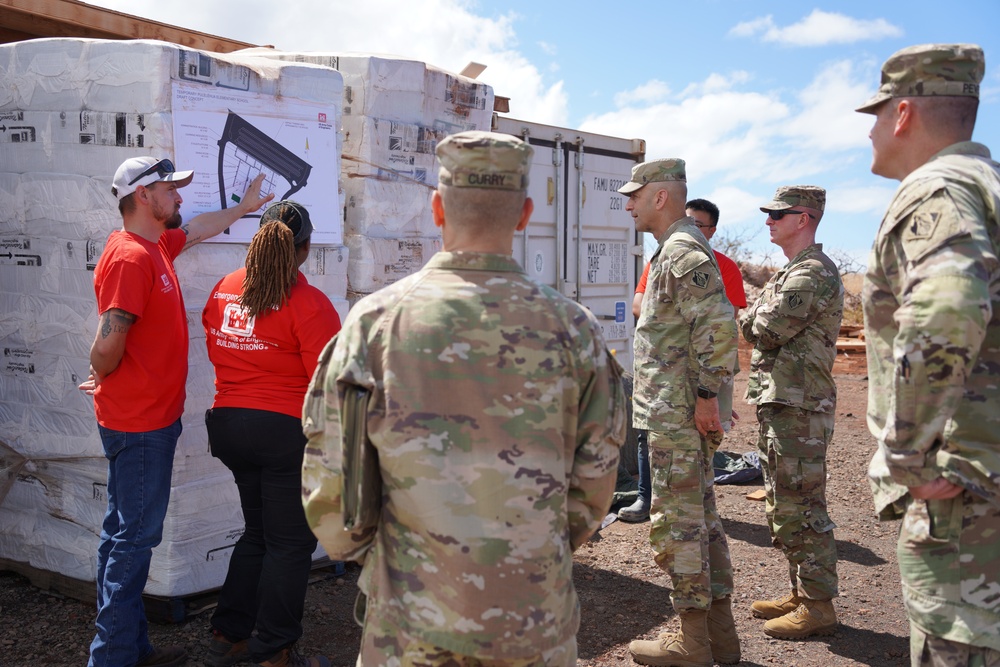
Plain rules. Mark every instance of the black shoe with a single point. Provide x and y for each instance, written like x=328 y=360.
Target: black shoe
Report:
x=637 y=512
x=171 y=656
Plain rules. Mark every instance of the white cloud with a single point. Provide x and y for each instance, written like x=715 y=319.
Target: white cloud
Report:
x=751 y=28
x=818 y=29
x=871 y=200
x=741 y=136
x=651 y=91
x=719 y=133
x=548 y=48
x=717 y=83
x=736 y=205
x=828 y=121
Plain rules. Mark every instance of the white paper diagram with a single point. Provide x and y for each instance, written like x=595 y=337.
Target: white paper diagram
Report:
x=228 y=137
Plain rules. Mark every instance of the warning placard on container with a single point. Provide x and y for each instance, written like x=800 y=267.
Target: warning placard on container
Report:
x=607 y=262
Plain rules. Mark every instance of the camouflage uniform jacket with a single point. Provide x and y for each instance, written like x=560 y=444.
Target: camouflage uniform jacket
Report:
x=932 y=327
x=793 y=327
x=497 y=413
x=686 y=334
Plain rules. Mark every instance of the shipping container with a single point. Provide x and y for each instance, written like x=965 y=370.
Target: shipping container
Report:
x=580 y=240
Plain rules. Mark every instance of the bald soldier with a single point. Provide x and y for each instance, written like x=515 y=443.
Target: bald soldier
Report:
x=685 y=346
x=793 y=326
x=496 y=412
x=932 y=327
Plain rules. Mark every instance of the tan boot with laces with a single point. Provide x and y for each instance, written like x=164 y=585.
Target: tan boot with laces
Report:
x=812 y=617
x=690 y=647
x=776 y=608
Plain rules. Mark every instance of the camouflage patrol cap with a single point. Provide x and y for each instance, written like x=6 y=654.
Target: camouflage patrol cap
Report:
x=930 y=69
x=478 y=159
x=654 y=171
x=790 y=196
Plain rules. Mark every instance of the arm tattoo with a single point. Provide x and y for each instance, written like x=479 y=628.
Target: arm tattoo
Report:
x=191 y=240
x=116 y=320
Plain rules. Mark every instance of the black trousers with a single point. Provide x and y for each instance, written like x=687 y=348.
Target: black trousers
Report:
x=264 y=594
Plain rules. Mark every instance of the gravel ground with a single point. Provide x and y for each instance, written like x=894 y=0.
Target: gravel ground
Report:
x=623 y=594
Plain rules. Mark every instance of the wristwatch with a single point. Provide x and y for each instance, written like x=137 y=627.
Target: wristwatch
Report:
x=705 y=393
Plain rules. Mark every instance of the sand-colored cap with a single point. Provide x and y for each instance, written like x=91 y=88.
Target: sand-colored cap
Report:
x=654 y=171
x=791 y=196
x=930 y=69
x=477 y=159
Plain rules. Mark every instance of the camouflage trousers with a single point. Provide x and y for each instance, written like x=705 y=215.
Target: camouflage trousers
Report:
x=792 y=444
x=930 y=651
x=947 y=554
x=686 y=532
x=383 y=644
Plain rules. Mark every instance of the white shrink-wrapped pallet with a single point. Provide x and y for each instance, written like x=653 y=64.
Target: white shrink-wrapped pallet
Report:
x=75 y=109
x=395 y=112
x=376 y=263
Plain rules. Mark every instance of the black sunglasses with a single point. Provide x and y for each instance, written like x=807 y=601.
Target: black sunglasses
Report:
x=778 y=215
x=161 y=168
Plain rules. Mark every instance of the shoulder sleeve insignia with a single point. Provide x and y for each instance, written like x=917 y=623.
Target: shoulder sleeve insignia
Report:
x=923 y=223
x=794 y=300
x=700 y=279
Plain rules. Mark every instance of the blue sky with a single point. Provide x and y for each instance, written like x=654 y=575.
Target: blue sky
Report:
x=753 y=95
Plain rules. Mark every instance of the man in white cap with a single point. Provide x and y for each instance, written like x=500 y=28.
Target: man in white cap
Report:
x=138 y=368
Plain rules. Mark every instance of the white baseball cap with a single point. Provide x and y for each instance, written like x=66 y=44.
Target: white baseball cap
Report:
x=144 y=171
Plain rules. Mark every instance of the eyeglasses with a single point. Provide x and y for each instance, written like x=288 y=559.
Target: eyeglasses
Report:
x=161 y=168
x=778 y=215
x=701 y=226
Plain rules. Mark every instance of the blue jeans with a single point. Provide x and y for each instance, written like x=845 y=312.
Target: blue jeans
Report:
x=265 y=588
x=140 y=466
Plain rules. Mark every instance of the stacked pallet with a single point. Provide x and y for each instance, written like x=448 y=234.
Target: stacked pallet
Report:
x=72 y=110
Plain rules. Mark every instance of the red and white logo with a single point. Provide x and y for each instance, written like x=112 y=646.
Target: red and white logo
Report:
x=322 y=118
x=235 y=321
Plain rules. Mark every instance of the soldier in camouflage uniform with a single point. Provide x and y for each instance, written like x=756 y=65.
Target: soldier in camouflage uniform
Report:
x=932 y=323
x=793 y=327
x=496 y=412
x=685 y=346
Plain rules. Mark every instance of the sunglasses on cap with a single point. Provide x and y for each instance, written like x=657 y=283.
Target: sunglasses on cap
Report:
x=161 y=169
x=778 y=215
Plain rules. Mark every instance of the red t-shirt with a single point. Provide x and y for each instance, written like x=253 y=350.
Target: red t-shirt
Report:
x=146 y=391
x=731 y=278
x=265 y=363
x=641 y=287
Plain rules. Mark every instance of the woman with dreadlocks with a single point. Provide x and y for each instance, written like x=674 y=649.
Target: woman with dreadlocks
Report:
x=265 y=327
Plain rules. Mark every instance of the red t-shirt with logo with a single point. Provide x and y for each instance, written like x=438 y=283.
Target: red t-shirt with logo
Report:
x=265 y=363
x=146 y=391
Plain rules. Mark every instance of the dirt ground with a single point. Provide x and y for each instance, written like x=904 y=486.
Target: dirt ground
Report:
x=623 y=595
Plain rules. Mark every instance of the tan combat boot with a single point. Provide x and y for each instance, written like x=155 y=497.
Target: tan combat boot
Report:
x=688 y=648
x=776 y=608
x=722 y=632
x=812 y=617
